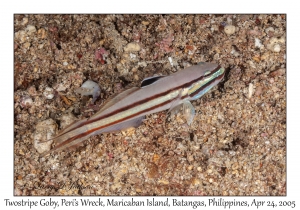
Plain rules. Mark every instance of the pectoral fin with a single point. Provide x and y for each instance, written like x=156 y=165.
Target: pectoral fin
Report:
x=175 y=110
x=188 y=112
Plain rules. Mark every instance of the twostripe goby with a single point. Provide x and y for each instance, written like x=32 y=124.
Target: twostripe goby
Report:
x=129 y=107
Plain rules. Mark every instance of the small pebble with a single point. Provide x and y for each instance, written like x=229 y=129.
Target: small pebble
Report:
x=233 y=52
x=274 y=44
x=273 y=40
x=190 y=158
x=48 y=93
x=278 y=72
x=132 y=47
x=78 y=165
x=44 y=131
x=60 y=87
x=41 y=46
x=42 y=33
x=275 y=89
x=254 y=32
x=31 y=90
x=235 y=166
x=276 y=48
x=66 y=120
x=21 y=36
x=136 y=77
x=30 y=29
x=256 y=58
x=258 y=43
x=196 y=182
x=251 y=90
x=265 y=56
x=26 y=101
x=258 y=91
x=26 y=45
x=269 y=31
x=229 y=29
x=145 y=23
x=163 y=181
x=24 y=21
x=132 y=56
x=170 y=60
x=142 y=64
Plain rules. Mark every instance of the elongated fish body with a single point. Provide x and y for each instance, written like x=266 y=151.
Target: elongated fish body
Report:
x=129 y=107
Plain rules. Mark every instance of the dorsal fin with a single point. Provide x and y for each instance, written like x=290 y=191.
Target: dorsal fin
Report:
x=150 y=80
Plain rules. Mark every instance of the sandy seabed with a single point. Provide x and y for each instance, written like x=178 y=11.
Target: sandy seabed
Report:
x=236 y=144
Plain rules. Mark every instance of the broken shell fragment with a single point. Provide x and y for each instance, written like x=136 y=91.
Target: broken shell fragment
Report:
x=48 y=93
x=26 y=101
x=89 y=87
